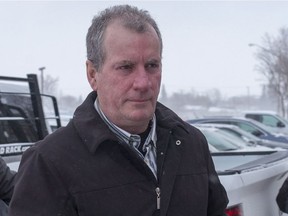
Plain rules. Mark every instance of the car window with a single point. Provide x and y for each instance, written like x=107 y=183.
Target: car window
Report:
x=255 y=117
x=270 y=121
x=267 y=119
x=219 y=141
x=249 y=128
x=235 y=138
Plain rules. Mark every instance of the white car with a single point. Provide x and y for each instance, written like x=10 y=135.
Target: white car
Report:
x=252 y=181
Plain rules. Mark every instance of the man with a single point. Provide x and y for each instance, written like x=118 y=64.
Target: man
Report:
x=123 y=153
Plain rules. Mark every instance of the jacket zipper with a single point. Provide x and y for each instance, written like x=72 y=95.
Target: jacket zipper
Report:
x=157 y=190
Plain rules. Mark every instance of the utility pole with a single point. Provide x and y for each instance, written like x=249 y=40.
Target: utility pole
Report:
x=41 y=69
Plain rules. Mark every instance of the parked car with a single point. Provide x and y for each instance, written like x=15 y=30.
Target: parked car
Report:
x=251 y=140
x=269 y=118
x=236 y=136
x=249 y=125
x=252 y=180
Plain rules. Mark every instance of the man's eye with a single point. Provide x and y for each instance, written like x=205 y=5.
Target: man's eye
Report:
x=125 y=67
x=152 y=66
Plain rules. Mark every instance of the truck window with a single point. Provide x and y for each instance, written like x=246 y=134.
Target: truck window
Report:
x=15 y=125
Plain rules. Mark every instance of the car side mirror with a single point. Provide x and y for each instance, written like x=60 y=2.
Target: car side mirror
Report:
x=280 y=124
x=257 y=133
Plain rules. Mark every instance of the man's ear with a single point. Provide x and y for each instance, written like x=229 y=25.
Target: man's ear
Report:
x=91 y=75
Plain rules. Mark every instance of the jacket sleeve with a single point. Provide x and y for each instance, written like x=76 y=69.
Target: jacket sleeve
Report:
x=39 y=189
x=7 y=181
x=282 y=197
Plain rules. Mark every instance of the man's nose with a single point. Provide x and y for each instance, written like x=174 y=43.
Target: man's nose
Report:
x=142 y=79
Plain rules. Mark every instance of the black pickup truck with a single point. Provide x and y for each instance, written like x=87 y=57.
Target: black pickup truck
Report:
x=24 y=116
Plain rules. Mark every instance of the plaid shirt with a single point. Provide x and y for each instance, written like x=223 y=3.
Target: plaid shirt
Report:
x=134 y=140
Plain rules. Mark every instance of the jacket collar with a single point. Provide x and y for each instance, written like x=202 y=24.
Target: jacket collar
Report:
x=166 y=118
x=93 y=131
x=89 y=125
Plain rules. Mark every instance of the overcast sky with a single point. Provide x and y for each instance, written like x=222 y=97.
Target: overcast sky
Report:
x=205 y=42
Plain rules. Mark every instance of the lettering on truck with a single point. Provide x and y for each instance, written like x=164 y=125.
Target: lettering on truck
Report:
x=6 y=150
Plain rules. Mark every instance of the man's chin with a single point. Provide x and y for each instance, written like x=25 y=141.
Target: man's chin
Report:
x=141 y=116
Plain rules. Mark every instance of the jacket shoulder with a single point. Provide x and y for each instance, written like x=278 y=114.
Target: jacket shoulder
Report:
x=168 y=117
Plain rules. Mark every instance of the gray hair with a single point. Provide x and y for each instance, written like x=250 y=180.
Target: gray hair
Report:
x=131 y=18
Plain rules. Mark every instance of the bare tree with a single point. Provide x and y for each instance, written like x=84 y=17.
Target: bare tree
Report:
x=50 y=85
x=273 y=64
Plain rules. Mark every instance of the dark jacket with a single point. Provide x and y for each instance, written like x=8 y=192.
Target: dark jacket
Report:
x=282 y=197
x=7 y=181
x=82 y=169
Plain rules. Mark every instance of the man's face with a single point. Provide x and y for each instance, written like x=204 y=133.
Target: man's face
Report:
x=128 y=83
